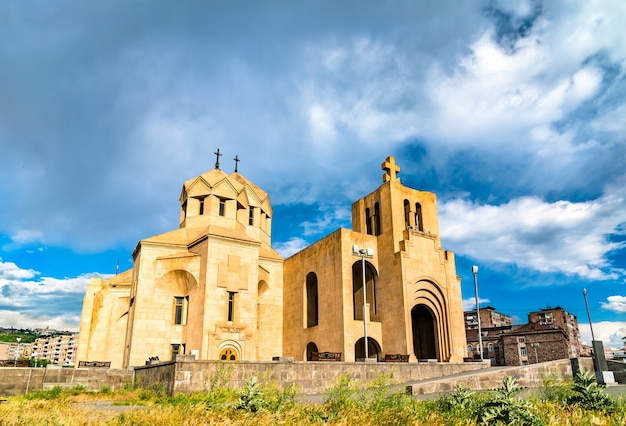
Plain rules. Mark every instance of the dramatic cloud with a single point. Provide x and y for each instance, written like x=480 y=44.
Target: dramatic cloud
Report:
x=512 y=112
x=610 y=333
x=548 y=237
x=48 y=302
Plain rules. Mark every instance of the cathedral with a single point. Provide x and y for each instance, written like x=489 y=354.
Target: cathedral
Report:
x=215 y=288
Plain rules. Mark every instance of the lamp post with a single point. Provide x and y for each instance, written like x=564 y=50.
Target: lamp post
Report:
x=17 y=350
x=364 y=253
x=593 y=338
x=480 y=336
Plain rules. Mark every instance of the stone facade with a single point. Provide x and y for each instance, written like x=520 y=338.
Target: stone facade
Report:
x=562 y=319
x=413 y=293
x=216 y=289
x=525 y=344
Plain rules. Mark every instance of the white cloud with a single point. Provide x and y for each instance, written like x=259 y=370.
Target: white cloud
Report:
x=330 y=218
x=470 y=304
x=615 y=304
x=562 y=236
x=46 y=301
x=609 y=332
x=290 y=247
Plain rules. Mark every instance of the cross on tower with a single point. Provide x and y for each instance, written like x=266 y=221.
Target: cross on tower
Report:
x=391 y=169
x=217 y=160
x=236 y=162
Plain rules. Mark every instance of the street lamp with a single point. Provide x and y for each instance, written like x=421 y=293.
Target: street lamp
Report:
x=480 y=337
x=364 y=253
x=17 y=351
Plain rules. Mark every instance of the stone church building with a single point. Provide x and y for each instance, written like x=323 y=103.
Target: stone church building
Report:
x=216 y=288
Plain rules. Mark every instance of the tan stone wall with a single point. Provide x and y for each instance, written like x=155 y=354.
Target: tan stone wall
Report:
x=309 y=377
x=16 y=381
x=104 y=322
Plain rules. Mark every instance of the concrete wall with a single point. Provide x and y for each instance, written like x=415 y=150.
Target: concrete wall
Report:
x=527 y=376
x=187 y=375
x=309 y=377
x=15 y=381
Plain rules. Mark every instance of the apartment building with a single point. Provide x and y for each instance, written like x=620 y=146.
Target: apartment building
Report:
x=489 y=318
x=59 y=349
x=562 y=319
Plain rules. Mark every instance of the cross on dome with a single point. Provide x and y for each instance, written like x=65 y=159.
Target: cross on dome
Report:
x=217 y=160
x=391 y=169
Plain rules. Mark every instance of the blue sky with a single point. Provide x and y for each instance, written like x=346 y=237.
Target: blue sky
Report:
x=512 y=112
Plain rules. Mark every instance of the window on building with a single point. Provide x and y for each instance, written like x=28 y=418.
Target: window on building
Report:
x=469 y=350
x=368 y=221
x=231 y=305
x=201 y=208
x=377 y=219
x=522 y=351
x=180 y=310
x=177 y=349
x=407 y=214
x=311 y=300
x=357 y=291
x=228 y=354
x=419 y=224
x=521 y=339
x=251 y=216
x=490 y=347
x=222 y=207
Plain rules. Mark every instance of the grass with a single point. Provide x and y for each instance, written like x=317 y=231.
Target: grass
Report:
x=261 y=402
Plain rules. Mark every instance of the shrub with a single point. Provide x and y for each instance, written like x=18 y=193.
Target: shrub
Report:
x=554 y=390
x=588 y=393
x=53 y=393
x=251 y=396
x=341 y=397
x=506 y=409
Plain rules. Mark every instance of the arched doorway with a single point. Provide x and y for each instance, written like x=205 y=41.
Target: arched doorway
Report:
x=228 y=354
x=310 y=348
x=424 y=332
x=373 y=349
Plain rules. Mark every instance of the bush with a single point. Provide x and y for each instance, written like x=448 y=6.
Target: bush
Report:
x=506 y=409
x=251 y=396
x=588 y=393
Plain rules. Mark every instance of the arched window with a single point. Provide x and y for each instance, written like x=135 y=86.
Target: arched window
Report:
x=490 y=347
x=357 y=290
x=407 y=214
x=419 y=224
x=311 y=300
x=470 y=349
x=368 y=221
x=376 y=219
x=228 y=354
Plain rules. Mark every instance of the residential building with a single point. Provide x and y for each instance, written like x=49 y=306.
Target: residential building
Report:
x=562 y=319
x=59 y=349
x=489 y=317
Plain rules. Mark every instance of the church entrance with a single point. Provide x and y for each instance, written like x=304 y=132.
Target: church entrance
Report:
x=424 y=332
x=228 y=354
x=373 y=349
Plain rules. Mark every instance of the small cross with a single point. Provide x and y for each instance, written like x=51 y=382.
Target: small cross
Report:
x=217 y=160
x=391 y=169
x=236 y=162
